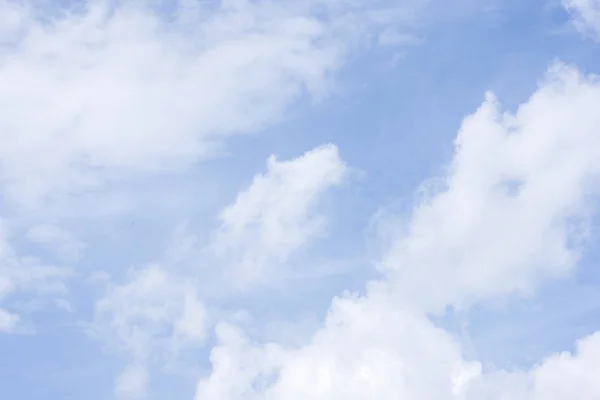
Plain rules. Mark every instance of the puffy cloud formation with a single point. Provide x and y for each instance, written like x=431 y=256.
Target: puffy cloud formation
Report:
x=506 y=218
x=158 y=311
x=149 y=87
x=368 y=348
x=275 y=215
x=513 y=208
x=561 y=376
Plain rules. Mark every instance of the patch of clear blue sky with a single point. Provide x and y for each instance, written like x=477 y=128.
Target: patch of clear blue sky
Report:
x=395 y=124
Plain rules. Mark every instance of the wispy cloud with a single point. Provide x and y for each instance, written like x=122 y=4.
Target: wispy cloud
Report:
x=149 y=318
x=119 y=89
x=586 y=16
x=274 y=217
x=25 y=275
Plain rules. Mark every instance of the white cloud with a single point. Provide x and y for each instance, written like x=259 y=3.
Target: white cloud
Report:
x=586 y=15
x=367 y=349
x=514 y=205
x=111 y=90
x=370 y=349
x=98 y=92
x=157 y=312
x=565 y=374
x=150 y=318
x=502 y=223
x=275 y=216
x=561 y=376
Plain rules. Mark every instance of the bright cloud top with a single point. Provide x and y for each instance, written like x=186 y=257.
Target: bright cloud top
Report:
x=514 y=207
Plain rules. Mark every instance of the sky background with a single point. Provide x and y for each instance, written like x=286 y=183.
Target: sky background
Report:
x=299 y=199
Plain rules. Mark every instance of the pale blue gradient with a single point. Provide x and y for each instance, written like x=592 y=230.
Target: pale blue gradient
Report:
x=394 y=123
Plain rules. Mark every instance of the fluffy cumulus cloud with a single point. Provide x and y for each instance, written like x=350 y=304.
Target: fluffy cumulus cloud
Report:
x=508 y=216
x=158 y=311
x=275 y=216
x=367 y=348
x=514 y=207
x=560 y=376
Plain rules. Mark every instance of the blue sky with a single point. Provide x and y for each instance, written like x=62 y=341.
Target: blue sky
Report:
x=281 y=200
